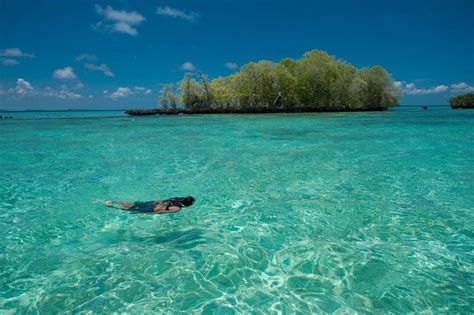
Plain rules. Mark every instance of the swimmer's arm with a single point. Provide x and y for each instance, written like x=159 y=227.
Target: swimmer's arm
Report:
x=172 y=209
x=161 y=208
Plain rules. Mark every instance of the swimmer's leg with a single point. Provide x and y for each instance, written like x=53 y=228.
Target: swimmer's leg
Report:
x=122 y=205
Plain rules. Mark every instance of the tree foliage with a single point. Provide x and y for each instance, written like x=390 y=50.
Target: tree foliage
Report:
x=462 y=101
x=168 y=98
x=317 y=81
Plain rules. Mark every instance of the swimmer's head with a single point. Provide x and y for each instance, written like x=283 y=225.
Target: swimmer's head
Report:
x=188 y=201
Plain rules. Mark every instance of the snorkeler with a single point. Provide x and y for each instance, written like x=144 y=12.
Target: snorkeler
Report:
x=171 y=205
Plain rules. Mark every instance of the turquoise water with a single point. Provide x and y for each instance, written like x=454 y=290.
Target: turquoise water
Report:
x=334 y=212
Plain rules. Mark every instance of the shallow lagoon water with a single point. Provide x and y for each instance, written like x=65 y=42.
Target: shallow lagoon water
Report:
x=333 y=212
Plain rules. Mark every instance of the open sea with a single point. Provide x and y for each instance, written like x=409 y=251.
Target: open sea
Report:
x=295 y=213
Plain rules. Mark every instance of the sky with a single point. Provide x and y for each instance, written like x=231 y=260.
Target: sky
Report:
x=65 y=54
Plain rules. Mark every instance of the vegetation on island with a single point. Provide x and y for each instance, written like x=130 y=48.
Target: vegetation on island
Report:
x=462 y=101
x=316 y=82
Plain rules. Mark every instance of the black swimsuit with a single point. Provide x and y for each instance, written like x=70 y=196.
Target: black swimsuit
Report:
x=149 y=206
x=173 y=202
x=143 y=206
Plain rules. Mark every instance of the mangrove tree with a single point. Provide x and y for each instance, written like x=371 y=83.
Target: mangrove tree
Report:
x=315 y=82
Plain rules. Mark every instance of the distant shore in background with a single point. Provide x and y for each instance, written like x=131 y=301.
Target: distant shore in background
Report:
x=465 y=101
x=154 y=111
x=58 y=110
x=150 y=112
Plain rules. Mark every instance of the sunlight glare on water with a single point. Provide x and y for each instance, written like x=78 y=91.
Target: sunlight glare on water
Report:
x=333 y=212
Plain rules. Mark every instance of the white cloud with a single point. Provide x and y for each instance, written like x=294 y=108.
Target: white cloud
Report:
x=10 y=53
x=140 y=91
x=23 y=87
x=122 y=27
x=143 y=90
x=187 y=66
x=86 y=56
x=103 y=68
x=63 y=93
x=65 y=74
x=68 y=94
x=14 y=52
x=176 y=13
x=231 y=65
x=411 y=89
x=462 y=87
x=9 y=62
x=123 y=92
x=110 y=14
x=121 y=21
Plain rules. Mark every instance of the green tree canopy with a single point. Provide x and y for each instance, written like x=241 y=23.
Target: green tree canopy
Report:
x=462 y=101
x=317 y=81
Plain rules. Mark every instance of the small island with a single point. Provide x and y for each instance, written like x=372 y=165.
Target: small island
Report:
x=465 y=101
x=317 y=82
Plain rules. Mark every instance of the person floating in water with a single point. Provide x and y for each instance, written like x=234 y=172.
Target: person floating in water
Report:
x=171 y=205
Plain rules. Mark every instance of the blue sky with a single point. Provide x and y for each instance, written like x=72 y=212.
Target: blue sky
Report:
x=61 y=54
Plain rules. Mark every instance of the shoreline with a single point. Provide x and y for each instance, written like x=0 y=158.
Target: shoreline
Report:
x=153 y=112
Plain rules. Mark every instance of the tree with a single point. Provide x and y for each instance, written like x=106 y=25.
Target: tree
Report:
x=256 y=85
x=168 y=97
x=381 y=91
x=317 y=81
x=286 y=82
x=314 y=73
x=207 y=96
x=224 y=89
x=462 y=101
x=343 y=74
x=191 y=92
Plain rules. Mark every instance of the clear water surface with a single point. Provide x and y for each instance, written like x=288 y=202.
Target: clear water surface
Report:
x=297 y=213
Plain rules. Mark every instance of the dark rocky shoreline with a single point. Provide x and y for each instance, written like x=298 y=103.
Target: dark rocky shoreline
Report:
x=151 y=112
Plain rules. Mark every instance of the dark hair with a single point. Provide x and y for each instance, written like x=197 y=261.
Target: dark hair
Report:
x=187 y=201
